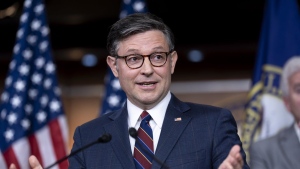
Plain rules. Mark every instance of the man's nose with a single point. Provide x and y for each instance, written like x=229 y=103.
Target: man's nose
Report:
x=147 y=66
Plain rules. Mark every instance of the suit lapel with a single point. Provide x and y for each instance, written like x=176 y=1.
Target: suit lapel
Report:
x=171 y=130
x=120 y=138
x=290 y=147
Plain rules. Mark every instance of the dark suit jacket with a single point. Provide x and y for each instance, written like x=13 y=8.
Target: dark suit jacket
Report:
x=202 y=139
x=281 y=151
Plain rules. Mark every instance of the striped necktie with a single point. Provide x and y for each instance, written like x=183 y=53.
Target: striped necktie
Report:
x=143 y=149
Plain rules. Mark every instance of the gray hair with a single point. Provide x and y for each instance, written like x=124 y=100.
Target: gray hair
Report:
x=290 y=67
x=134 y=24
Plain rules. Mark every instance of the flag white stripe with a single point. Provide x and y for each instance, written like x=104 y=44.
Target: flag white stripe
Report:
x=64 y=130
x=2 y=161
x=43 y=137
x=21 y=149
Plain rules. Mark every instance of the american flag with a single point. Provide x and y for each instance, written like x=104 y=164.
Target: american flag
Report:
x=115 y=97
x=32 y=120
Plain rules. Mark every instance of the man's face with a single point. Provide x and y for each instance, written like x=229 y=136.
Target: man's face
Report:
x=148 y=85
x=292 y=101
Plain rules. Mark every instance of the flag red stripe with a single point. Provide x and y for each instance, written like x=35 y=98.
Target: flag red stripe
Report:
x=10 y=157
x=58 y=142
x=34 y=148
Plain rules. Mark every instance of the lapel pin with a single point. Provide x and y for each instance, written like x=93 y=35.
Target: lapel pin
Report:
x=177 y=119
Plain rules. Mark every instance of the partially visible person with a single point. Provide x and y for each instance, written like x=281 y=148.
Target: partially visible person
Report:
x=282 y=151
x=179 y=134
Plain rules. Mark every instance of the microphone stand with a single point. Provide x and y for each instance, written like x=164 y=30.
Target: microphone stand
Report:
x=103 y=139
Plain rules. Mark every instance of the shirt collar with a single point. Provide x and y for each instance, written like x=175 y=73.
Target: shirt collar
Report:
x=297 y=129
x=157 y=113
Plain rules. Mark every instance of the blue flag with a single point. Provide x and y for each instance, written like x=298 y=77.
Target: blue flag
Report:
x=32 y=119
x=115 y=97
x=279 y=40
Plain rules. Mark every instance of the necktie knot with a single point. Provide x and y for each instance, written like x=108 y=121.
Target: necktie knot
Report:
x=145 y=116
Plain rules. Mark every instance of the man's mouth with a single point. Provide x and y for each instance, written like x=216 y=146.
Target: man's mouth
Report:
x=146 y=84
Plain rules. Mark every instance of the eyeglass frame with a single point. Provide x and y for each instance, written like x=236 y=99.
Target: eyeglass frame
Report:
x=124 y=57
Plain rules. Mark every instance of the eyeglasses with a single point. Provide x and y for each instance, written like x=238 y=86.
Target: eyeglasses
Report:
x=135 y=61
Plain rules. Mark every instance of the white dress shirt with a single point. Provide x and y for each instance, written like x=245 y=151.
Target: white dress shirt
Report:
x=157 y=113
x=297 y=129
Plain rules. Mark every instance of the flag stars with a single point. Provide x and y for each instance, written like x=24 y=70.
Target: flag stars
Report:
x=47 y=83
x=12 y=65
x=54 y=106
x=27 y=3
x=4 y=97
x=127 y=1
x=39 y=9
x=16 y=101
x=24 y=69
x=9 y=135
x=32 y=93
x=28 y=109
x=27 y=53
x=41 y=116
x=39 y=62
x=43 y=46
x=24 y=17
x=8 y=81
x=44 y=100
x=25 y=123
x=12 y=118
x=113 y=100
x=20 y=33
x=138 y=6
x=116 y=84
x=50 y=68
x=20 y=85
x=16 y=49
x=36 y=78
x=45 y=30
x=35 y=25
x=31 y=39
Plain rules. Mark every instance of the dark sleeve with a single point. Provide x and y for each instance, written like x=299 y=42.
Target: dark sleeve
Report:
x=225 y=137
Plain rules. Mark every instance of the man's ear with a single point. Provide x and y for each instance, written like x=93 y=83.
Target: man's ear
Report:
x=112 y=63
x=173 y=58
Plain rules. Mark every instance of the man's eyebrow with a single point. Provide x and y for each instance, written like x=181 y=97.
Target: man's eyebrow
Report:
x=137 y=51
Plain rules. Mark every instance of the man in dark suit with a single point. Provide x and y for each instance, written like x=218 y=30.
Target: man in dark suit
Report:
x=283 y=149
x=182 y=135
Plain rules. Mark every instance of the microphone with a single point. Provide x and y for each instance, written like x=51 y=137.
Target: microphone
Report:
x=106 y=137
x=133 y=133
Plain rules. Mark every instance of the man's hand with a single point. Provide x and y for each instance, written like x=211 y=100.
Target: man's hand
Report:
x=33 y=162
x=234 y=159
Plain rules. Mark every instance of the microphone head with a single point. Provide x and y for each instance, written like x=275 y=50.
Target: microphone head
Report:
x=132 y=132
x=104 y=138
